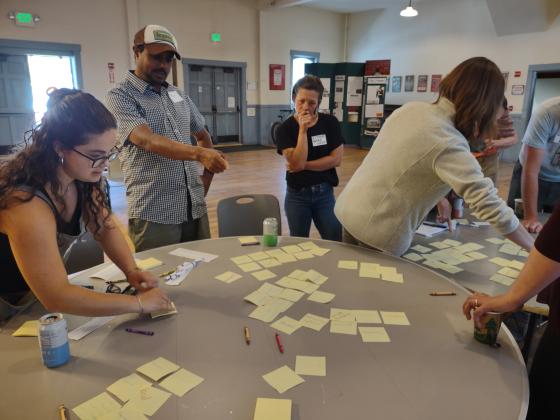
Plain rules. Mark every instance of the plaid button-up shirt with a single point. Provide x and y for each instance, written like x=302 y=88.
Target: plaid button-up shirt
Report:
x=158 y=189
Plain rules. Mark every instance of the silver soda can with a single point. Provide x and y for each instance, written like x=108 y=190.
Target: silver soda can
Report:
x=457 y=211
x=53 y=340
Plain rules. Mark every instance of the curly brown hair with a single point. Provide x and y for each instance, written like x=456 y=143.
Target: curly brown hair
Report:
x=72 y=117
x=476 y=88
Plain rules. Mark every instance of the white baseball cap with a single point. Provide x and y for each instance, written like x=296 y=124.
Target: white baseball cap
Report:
x=156 y=39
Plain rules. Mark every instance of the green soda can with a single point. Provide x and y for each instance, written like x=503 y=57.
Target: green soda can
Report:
x=270 y=231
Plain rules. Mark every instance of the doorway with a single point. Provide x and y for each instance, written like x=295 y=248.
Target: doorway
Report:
x=27 y=70
x=216 y=91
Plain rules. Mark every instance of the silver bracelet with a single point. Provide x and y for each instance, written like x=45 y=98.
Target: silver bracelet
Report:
x=140 y=304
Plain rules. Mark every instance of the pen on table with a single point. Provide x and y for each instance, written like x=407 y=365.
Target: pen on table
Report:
x=134 y=330
x=247 y=335
x=280 y=346
x=250 y=243
x=443 y=294
x=167 y=273
x=62 y=412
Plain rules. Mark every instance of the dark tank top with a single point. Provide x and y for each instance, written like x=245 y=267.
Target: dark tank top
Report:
x=12 y=283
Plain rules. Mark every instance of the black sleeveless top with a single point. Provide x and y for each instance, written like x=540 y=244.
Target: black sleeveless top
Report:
x=12 y=283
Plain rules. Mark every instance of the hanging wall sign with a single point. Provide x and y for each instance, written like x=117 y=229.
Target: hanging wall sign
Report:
x=277 y=77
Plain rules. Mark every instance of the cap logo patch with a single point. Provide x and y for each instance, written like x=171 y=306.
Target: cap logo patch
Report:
x=163 y=36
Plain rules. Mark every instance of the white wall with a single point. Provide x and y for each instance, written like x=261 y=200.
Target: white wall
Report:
x=444 y=34
x=296 y=28
x=99 y=27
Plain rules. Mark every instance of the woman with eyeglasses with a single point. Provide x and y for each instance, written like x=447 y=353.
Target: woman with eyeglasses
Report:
x=50 y=194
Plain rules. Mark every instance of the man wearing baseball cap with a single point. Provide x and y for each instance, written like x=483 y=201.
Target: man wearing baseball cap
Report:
x=164 y=188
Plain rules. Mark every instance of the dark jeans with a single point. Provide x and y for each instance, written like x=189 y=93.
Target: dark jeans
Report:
x=543 y=379
x=312 y=203
x=147 y=235
x=549 y=192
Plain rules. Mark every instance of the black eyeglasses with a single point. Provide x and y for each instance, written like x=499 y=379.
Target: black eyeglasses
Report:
x=112 y=287
x=98 y=162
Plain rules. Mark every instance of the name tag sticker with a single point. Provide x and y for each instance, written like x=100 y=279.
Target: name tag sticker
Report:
x=319 y=140
x=175 y=97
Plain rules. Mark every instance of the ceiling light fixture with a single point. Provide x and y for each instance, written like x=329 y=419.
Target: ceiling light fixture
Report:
x=409 y=11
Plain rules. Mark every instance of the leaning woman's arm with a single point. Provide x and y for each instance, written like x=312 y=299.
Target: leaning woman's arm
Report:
x=31 y=229
x=458 y=168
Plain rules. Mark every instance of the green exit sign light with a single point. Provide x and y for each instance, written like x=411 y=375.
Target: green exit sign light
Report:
x=216 y=37
x=22 y=17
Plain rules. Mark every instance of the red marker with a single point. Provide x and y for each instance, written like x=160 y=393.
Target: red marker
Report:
x=280 y=346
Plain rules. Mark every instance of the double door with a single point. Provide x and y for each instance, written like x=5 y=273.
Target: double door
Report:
x=216 y=91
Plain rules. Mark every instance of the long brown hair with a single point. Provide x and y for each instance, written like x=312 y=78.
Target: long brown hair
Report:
x=476 y=88
x=72 y=117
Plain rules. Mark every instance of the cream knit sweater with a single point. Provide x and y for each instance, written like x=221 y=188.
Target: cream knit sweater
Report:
x=417 y=159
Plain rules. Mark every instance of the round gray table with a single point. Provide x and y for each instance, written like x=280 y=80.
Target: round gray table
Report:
x=432 y=369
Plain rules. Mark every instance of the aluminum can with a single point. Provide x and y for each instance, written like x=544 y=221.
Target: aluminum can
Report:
x=53 y=340
x=457 y=212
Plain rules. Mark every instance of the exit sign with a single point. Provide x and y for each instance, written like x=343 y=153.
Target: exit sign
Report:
x=216 y=37
x=24 y=19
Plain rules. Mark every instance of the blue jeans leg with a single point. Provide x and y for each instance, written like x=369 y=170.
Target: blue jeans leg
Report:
x=297 y=206
x=323 y=213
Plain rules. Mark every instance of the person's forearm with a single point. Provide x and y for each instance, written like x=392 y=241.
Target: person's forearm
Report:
x=529 y=193
x=79 y=301
x=167 y=148
x=505 y=142
x=521 y=237
x=298 y=157
x=114 y=245
x=322 y=164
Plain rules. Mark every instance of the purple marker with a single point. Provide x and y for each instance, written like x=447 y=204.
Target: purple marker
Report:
x=134 y=330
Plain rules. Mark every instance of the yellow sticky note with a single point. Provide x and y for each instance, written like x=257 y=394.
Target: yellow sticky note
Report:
x=242 y=259
x=248 y=240
x=263 y=275
x=273 y=409
x=319 y=252
x=298 y=275
x=338 y=314
x=292 y=249
x=343 y=327
x=97 y=407
x=308 y=245
x=125 y=387
x=316 y=277
x=158 y=368
x=305 y=255
x=252 y=266
x=291 y=295
x=270 y=262
x=311 y=365
x=125 y=413
x=286 y=325
x=348 y=264
x=181 y=382
x=286 y=258
x=518 y=265
x=148 y=263
x=265 y=313
x=370 y=270
x=314 y=322
x=510 y=272
x=228 y=277
x=164 y=312
x=304 y=286
x=394 y=318
x=257 y=256
x=321 y=297
x=500 y=261
x=283 y=379
x=367 y=316
x=148 y=400
x=27 y=329
x=374 y=335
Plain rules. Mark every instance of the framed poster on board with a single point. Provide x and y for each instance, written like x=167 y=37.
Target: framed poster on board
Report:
x=277 y=77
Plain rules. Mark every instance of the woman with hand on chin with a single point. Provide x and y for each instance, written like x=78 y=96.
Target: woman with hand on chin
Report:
x=50 y=193
x=312 y=145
